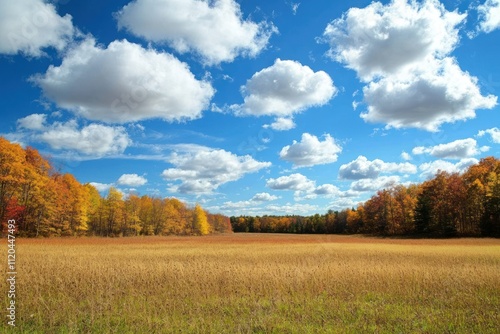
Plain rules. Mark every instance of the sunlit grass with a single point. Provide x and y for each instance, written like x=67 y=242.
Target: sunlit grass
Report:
x=258 y=284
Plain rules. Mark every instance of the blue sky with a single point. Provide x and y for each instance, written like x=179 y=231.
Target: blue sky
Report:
x=252 y=107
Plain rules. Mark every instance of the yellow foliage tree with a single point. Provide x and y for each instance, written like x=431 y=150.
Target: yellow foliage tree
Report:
x=200 y=223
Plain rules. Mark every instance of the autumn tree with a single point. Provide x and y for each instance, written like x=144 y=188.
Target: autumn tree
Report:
x=221 y=223
x=354 y=221
x=37 y=195
x=12 y=164
x=423 y=210
x=131 y=221
x=113 y=211
x=95 y=210
x=482 y=197
x=200 y=222
x=176 y=216
x=377 y=213
x=330 y=220
x=490 y=224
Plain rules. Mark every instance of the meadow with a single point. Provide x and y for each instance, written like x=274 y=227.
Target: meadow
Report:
x=256 y=283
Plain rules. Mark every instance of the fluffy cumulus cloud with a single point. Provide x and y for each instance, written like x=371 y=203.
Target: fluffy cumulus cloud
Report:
x=362 y=168
x=489 y=14
x=327 y=190
x=264 y=197
x=123 y=83
x=92 y=140
x=101 y=187
x=458 y=149
x=204 y=170
x=295 y=181
x=383 y=39
x=401 y=50
x=132 y=180
x=29 y=26
x=303 y=187
x=283 y=89
x=293 y=209
x=213 y=29
x=437 y=93
x=281 y=124
x=405 y=156
x=378 y=183
x=342 y=203
x=311 y=151
x=429 y=169
x=251 y=206
x=32 y=122
x=493 y=132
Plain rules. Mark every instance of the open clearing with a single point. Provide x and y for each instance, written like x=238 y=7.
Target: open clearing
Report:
x=257 y=283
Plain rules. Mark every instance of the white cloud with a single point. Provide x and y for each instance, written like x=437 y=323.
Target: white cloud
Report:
x=101 y=187
x=489 y=14
x=281 y=124
x=293 y=209
x=384 y=39
x=437 y=93
x=132 y=180
x=295 y=181
x=213 y=29
x=419 y=150
x=382 y=182
x=464 y=164
x=401 y=50
x=264 y=197
x=362 y=168
x=311 y=151
x=493 y=132
x=124 y=83
x=458 y=149
x=429 y=169
x=93 y=139
x=241 y=205
x=304 y=188
x=406 y=156
x=327 y=190
x=285 y=88
x=32 y=122
x=250 y=205
x=343 y=203
x=28 y=26
x=205 y=170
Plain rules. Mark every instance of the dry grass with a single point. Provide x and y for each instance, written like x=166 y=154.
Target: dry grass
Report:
x=246 y=283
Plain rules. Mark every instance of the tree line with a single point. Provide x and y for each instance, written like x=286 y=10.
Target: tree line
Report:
x=44 y=202
x=450 y=204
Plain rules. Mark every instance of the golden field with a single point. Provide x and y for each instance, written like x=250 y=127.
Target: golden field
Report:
x=256 y=283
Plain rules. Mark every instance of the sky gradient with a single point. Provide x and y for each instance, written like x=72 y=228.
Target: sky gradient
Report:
x=252 y=107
